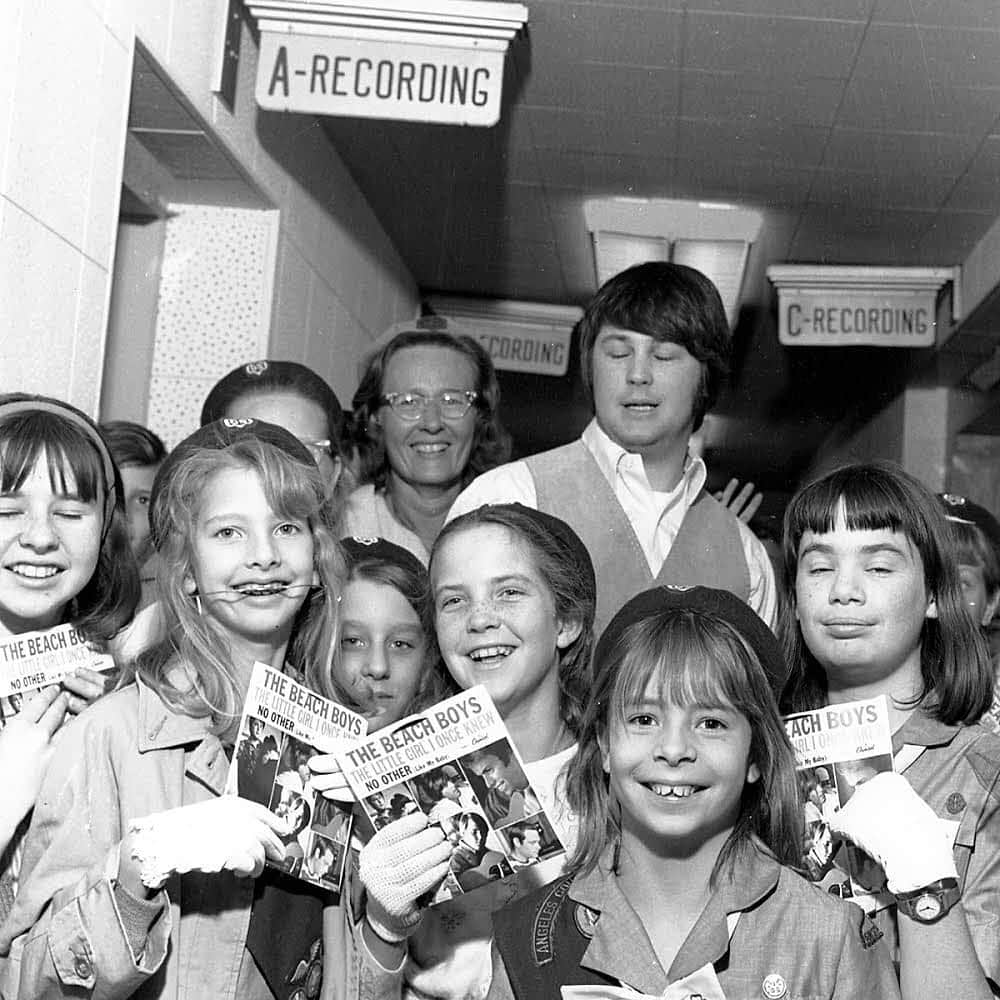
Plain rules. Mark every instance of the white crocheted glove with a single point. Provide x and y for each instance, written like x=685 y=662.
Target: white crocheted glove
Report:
x=226 y=832
x=888 y=820
x=397 y=866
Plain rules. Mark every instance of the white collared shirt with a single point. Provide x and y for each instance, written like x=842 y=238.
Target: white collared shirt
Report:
x=655 y=516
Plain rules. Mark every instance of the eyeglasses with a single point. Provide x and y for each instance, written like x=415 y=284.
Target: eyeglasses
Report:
x=453 y=404
x=317 y=448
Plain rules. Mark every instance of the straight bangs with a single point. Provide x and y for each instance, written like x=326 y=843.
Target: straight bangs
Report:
x=68 y=453
x=688 y=659
x=954 y=659
x=872 y=497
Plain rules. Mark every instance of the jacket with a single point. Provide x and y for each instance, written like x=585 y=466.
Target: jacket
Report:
x=127 y=756
x=790 y=940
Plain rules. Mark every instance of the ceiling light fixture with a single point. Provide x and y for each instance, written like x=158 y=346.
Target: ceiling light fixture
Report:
x=714 y=238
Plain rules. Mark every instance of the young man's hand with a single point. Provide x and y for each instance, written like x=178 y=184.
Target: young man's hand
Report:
x=743 y=504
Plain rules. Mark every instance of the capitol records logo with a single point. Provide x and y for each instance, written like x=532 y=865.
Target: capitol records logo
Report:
x=255 y=368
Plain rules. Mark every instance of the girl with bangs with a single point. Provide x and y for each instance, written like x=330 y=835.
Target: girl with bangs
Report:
x=878 y=609
x=140 y=878
x=689 y=824
x=64 y=558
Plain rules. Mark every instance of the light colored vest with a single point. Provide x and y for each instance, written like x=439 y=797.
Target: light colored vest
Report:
x=707 y=551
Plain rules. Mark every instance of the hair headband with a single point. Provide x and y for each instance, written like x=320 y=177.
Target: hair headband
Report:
x=705 y=601
x=78 y=420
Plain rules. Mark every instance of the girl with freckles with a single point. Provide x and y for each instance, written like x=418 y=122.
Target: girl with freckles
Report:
x=878 y=609
x=513 y=598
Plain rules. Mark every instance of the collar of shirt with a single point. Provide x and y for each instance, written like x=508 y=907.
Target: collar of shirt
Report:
x=620 y=946
x=161 y=728
x=655 y=516
x=923 y=730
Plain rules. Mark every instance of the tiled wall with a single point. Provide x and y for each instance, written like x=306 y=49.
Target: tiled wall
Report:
x=65 y=68
x=339 y=281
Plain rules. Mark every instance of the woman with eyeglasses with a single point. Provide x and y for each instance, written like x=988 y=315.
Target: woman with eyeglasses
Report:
x=427 y=423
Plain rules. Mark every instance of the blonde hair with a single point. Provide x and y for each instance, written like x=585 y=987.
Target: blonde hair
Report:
x=294 y=489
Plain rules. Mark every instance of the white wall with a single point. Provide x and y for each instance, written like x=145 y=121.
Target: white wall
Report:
x=65 y=67
x=340 y=281
x=65 y=71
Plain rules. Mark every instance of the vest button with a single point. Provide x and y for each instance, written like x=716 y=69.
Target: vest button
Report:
x=774 y=987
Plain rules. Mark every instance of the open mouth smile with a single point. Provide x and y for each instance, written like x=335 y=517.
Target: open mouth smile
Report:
x=32 y=571
x=488 y=653
x=266 y=589
x=673 y=791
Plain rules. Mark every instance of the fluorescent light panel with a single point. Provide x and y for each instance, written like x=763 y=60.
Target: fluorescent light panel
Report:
x=714 y=239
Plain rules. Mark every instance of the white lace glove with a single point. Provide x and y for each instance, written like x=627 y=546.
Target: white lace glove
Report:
x=888 y=820
x=329 y=779
x=397 y=866
x=227 y=832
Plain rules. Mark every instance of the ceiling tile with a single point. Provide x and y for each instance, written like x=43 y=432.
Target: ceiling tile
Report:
x=870 y=190
x=592 y=132
x=979 y=187
x=871 y=103
x=851 y=10
x=754 y=185
x=607 y=34
x=600 y=87
x=952 y=235
x=885 y=152
x=864 y=237
x=983 y=14
x=738 y=96
x=942 y=56
x=790 y=145
x=783 y=47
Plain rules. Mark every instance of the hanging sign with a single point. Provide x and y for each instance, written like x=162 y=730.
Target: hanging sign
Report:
x=517 y=348
x=832 y=318
x=850 y=306
x=365 y=78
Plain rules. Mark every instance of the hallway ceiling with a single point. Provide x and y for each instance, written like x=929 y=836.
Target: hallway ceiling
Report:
x=866 y=131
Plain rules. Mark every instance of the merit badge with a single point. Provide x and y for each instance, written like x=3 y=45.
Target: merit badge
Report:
x=586 y=920
x=955 y=803
x=774 y=987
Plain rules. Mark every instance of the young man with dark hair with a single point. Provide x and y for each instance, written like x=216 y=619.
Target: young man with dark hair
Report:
x=654 y=352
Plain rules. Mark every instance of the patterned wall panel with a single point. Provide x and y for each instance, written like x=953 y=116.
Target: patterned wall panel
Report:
x=214 y=307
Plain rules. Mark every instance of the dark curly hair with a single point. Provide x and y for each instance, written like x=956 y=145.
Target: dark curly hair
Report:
x=491 y=443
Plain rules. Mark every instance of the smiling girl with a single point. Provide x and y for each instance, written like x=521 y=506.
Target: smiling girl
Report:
x=878 y=610
x=513 y=601
x=136 y=868
x=64 y=558
x=688 y=812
